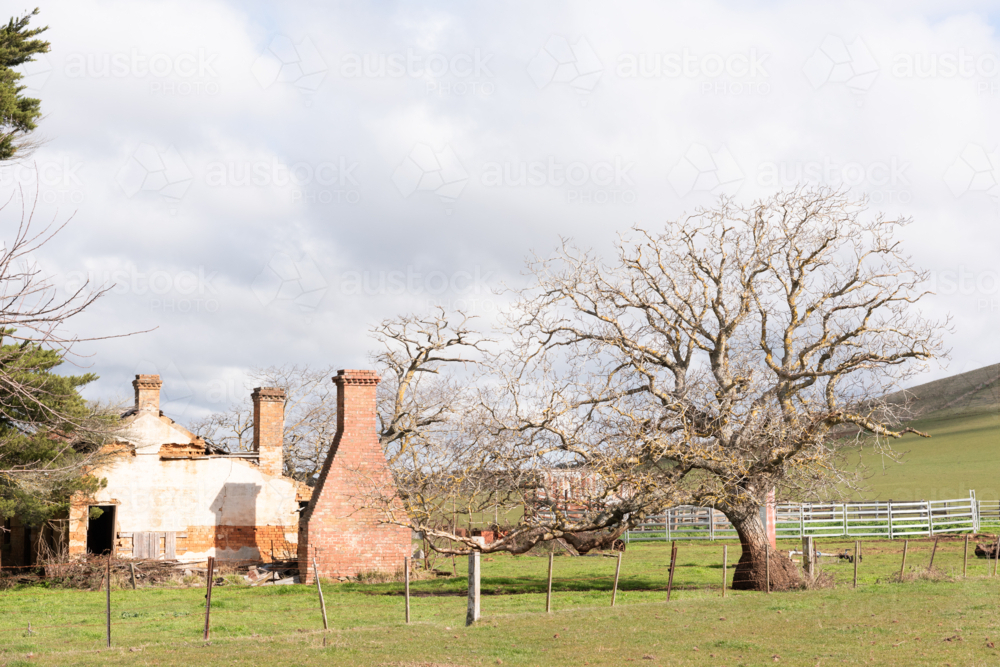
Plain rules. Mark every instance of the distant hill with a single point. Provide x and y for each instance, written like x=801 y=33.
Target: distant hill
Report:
x=962 y=415
x=963 y=394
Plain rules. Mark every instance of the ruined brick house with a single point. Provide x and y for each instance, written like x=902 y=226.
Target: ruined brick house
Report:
x=171 y=496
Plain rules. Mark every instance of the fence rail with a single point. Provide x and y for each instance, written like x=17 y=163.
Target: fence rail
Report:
x=891 y=519
x=989 y=511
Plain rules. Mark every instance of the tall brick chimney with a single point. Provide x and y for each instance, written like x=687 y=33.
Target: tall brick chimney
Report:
x=147 y=393
x=269 y=428
x=340 y=528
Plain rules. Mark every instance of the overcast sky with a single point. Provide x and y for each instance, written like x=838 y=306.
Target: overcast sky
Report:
x=264 y=181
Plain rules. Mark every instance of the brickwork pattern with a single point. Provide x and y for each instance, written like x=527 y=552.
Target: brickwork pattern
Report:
x=268 y=540
x=343 y=534
x=269 y=428
x=77 y=544
x=147 y=393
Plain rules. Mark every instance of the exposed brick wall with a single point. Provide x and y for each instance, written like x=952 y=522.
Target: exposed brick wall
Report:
x=147 y=393
x=269 y=428
x=268 y=540
x=78 y=513
x=339 y=528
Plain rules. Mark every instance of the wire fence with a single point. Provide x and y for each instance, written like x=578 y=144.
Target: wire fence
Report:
x=116 y=615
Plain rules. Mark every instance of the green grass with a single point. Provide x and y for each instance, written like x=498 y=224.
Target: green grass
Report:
x=962 y=414
x=878 y=623
x=961 y=454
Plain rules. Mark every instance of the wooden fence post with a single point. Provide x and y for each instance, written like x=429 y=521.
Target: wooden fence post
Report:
x=208 y=593
x=808 y=558
x=406 y=586
x=548 y=589
x=132 y=568
x=474 y=589
x=322 y=602
x=618 y=569
x=965 y=561
x=725 y=563
x=902 y=568
x=930 y=565
x=857 y=557
x=107 y=608
x=673 y=565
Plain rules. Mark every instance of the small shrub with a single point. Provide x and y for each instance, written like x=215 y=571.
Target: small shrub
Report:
x=933 y=575
x=379 y=577
x=822 y=580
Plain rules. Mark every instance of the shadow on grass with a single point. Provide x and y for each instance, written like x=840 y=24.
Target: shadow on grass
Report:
x=458 y=586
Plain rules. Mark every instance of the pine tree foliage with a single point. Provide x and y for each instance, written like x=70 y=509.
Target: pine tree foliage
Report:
x=19 y=44
x=45 y=433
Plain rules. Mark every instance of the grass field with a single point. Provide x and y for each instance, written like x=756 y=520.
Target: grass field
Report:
x=962 y=415
x=942 y=619
x=962 y=453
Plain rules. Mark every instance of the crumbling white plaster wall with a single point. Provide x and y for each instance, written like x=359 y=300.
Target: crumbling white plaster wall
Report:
x=192 y=495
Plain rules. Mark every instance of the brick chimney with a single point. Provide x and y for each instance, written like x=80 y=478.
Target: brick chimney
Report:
x=340 y=528
x=147 y=393
x=269 y=428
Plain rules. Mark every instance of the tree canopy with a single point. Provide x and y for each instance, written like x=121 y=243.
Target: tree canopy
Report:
x=19 y=44
x=709 y=362
x=50 y=438
x=41 y=444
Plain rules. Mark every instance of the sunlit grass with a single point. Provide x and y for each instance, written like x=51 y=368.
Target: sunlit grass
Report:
x=282 y=624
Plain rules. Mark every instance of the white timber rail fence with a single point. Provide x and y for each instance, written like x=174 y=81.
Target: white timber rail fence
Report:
x=891 y=519
x=989 y=511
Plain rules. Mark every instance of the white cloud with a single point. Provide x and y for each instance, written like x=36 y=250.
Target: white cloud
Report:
x=299 y=64
x=561 y=62
x=837 y=61
x=425 y=169
x=409 y=143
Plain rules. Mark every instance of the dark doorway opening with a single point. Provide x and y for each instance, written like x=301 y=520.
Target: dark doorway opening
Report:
x=29 y=553
x=101 y=530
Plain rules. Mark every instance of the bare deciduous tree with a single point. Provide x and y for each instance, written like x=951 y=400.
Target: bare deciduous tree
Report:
x=728 y=355
x=310 y=417
x=462 y=449
x=49 y=436
x=418 y=395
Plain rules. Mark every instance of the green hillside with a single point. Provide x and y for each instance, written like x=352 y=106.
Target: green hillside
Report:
x=962 y=415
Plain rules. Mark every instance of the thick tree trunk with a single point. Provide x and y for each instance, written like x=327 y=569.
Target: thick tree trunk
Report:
x=752 y=569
